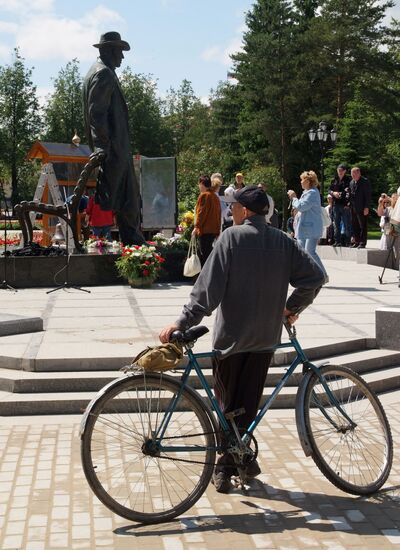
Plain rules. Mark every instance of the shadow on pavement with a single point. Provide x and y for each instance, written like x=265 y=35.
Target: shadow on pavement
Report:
x=312 y=511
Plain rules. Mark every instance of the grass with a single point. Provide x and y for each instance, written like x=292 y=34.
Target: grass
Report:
x=374 y=234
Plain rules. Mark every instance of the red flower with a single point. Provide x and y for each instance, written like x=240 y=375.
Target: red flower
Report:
x=146 y=262
x=145 y=272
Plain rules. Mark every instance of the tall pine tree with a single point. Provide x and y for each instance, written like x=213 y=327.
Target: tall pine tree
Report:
x=63 y=113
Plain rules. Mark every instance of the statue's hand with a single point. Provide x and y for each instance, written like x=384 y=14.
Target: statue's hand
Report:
x=99 y=154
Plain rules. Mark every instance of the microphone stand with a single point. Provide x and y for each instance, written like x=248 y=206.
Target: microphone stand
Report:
x=4 y=284
x=66 y=283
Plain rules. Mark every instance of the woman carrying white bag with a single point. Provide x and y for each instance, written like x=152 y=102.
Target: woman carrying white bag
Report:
x=207 y=224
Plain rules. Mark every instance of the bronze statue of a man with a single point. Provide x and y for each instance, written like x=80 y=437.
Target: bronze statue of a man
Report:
x=106 y=122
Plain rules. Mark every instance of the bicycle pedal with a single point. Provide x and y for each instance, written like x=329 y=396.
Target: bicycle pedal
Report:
x=233 y=414
x=238 y=483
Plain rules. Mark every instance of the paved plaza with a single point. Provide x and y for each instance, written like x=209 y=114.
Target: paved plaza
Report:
x=45 y=502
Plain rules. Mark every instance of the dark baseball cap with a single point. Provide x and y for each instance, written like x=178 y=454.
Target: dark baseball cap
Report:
x=252 y=197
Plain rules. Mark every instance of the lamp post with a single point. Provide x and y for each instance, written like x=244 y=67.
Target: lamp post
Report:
x=324 y=137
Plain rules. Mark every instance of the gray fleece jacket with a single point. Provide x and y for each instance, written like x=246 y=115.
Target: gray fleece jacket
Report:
x=247 y=278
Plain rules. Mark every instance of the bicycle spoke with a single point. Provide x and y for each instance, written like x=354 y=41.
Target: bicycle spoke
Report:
x=356 y=456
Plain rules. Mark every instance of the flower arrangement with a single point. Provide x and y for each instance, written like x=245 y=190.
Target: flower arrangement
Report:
x=9 y=242
x=101 y=245
x=139 y=262
x=170 y=243
x=186 y=225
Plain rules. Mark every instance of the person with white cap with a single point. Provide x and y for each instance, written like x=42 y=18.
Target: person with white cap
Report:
x=246 y=278
x=106 y=123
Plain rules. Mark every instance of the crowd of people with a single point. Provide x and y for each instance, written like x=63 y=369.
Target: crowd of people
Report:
x=213 y=212
x=343 y=222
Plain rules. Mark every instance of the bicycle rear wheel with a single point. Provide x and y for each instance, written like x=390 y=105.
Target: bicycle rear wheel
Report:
x=356 y=459
x=122 y=458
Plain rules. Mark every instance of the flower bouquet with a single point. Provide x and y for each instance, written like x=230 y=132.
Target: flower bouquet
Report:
x=99 y=245
x=177 y=242
x=139 y=264
x=186 y=225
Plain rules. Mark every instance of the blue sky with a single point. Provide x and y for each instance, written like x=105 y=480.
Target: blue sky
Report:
x=170 y=39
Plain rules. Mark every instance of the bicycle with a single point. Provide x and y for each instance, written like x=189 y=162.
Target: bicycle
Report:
x=149 y=441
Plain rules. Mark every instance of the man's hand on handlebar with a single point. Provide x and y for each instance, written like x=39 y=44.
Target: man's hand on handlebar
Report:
x=290 y=316
x=166 y=332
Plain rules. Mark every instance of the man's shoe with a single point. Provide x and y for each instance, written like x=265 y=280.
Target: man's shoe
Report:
x=337 y=245
x=253 y=470
x=354 y=245
x=361 y=246
x=222 y=482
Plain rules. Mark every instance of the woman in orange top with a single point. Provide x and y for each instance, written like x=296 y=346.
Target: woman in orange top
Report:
x=207 y=218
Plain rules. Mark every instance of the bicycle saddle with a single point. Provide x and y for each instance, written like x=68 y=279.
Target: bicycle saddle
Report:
x=190 y=335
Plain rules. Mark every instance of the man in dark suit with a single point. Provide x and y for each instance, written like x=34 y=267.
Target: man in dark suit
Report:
x=106 y=122
x=360 y=199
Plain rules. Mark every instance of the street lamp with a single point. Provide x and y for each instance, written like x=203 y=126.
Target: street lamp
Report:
x=324 y=137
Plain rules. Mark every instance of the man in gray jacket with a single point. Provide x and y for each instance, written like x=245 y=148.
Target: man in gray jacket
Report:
x=106 y=122
x=247 y=278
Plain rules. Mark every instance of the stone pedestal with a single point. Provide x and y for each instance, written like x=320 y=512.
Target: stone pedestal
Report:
x=387 y=327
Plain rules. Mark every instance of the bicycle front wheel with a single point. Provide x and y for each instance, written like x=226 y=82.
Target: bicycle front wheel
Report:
x=145 y=464
x=357 y=457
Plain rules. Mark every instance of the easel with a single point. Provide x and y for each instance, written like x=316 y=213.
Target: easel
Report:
x=390 y=256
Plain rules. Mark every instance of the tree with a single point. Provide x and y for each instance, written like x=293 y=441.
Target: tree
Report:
x=150 y=136
x=269 y=175
x=192 y=163
x=20 y=122
x=223 y=130
x=354 y=39
x=63 y=113
x=186 y=117
x=265 y=74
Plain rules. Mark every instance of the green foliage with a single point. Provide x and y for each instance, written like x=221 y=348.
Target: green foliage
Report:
x=186 y=117
x=270 y=176
x=192 y=163
x=20 y=121
x=150 y=135
x=264 y=70
x=63 y=114
x=223 y=131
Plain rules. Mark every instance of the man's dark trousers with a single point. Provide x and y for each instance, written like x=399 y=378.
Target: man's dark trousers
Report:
x=239 y=382
x=339 y=216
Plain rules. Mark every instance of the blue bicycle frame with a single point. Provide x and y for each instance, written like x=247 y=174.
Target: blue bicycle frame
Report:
x=300 y=358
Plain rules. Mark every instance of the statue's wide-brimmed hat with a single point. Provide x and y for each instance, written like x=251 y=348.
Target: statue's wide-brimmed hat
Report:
x=112 y=39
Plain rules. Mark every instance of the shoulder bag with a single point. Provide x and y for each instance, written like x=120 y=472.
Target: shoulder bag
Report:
x=192 y=264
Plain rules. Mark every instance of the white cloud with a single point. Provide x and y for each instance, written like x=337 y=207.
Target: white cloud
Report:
x=49 y=36
x=9 y=28
x=222 y=54
x=4 y=52
x=22 y=7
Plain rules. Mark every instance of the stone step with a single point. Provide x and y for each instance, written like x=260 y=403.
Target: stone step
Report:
x=12 y=404
x=79 y=364
x=87 y=381
x=19 y=324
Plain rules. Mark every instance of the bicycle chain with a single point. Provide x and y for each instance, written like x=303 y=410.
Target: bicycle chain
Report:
x=185 y=460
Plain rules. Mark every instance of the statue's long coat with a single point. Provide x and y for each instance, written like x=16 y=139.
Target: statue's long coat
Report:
x=106 y=122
